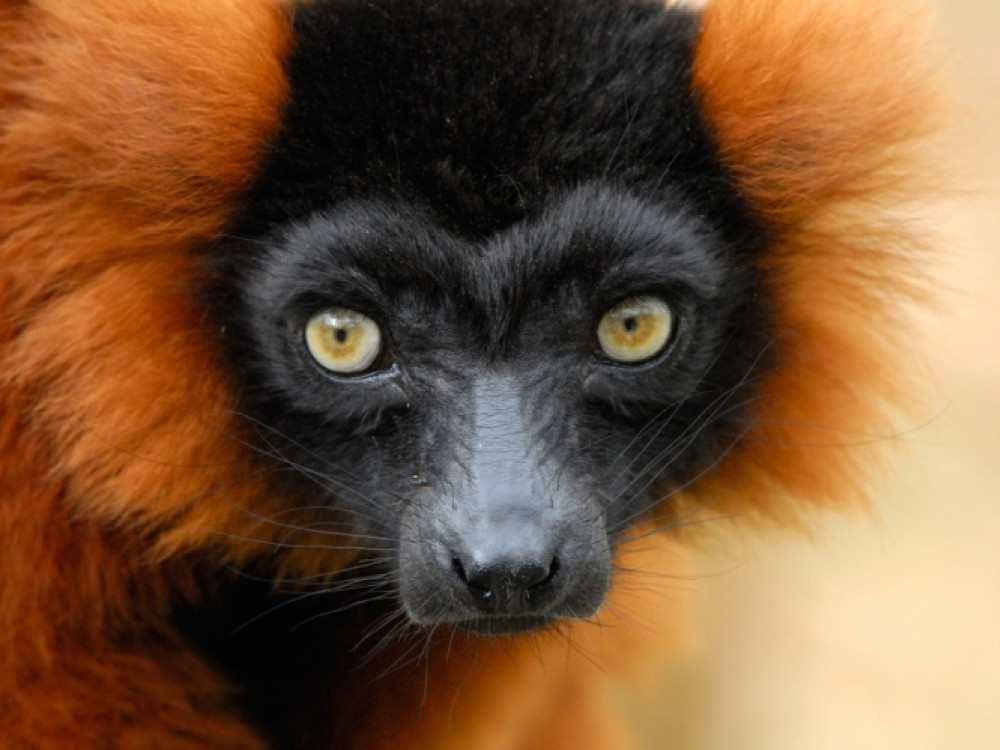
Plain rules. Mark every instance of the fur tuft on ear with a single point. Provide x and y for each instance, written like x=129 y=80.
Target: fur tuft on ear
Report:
x=822 y=112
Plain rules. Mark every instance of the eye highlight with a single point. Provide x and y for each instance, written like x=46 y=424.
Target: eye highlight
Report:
x=636 y=329
x=343 y=341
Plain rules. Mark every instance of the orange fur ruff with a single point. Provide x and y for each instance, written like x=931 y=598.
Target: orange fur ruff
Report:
x=129 y=128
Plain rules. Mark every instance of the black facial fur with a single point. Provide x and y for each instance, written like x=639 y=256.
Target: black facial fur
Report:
x=485 y=179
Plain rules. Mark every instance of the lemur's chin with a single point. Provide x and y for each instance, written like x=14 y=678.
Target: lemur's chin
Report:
x=500 y=626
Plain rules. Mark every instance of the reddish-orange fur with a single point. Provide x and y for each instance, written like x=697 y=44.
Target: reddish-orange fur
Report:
x=127 y=130
x=822 y=110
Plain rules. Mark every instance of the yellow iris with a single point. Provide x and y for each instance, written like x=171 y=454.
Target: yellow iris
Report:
x=635 y=329
x=342 y=340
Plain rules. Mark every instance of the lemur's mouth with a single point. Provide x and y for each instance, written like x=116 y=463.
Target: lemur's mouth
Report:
x=497 y=625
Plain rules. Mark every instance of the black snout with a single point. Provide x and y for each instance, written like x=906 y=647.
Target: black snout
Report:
x=506 y=585
x=504 y=564
x=510 y=543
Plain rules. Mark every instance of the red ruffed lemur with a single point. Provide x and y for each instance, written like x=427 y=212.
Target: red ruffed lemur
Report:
x=345 y=346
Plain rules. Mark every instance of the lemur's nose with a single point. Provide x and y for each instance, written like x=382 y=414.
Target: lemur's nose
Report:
x=506 y=584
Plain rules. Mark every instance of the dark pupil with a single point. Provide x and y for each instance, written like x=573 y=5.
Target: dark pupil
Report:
x=630 y=324
x=341 y=335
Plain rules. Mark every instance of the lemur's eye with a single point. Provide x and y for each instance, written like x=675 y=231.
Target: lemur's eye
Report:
x=342 y=340
x=636 y=329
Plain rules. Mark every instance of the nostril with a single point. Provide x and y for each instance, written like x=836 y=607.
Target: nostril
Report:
x=527 y=576
x=475 y=581
x=478 y=586
x=459 y=569
x=537 y=589
x=544 y=576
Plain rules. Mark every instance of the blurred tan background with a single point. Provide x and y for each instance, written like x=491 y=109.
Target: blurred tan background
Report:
x=884 y=634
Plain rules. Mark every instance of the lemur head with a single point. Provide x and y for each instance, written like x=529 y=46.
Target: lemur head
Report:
x=497 y=280
x=495 y=295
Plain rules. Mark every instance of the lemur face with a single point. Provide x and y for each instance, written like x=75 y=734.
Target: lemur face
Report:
x=495 y=312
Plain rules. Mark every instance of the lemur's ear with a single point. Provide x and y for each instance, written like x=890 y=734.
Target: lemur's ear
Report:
x=822 y=111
